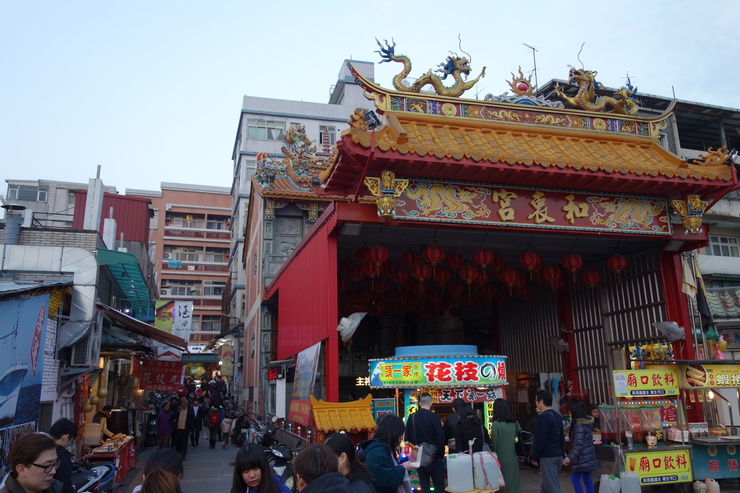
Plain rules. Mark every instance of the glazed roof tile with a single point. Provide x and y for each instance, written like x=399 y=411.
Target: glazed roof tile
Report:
x=350 y=416
x=724 y=303
x=535 y=147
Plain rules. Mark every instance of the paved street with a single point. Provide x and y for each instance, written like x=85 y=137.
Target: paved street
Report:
x=212 y=470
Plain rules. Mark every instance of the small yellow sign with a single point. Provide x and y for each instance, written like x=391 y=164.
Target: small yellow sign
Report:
x=660 y=467
x=646 y=383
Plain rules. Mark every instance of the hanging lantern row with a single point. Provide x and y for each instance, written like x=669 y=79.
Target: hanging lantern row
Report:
x=373 y=262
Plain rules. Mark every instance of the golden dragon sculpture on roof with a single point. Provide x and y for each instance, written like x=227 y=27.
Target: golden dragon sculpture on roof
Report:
x=586 y=97
x=455 y=66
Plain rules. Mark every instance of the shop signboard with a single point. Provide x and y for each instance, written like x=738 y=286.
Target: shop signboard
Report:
x=383 y=406
x=469 y=394
x=653 y=382
x=305 y=376
x=700 y=375
x=473 y=203
x=443 y=372
x=161 y=375
x=660 y=466
x=716 y=461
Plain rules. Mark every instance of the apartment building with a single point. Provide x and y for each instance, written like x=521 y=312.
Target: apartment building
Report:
x=48 y=203
x=189 y=249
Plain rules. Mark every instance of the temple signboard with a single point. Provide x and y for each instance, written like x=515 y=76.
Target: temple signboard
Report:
x=510 y=206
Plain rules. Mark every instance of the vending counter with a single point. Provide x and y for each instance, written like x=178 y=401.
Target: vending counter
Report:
x=716 y=457
x=120 y=451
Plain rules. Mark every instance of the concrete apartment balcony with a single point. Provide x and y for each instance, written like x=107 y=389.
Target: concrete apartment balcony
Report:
x=710 y=265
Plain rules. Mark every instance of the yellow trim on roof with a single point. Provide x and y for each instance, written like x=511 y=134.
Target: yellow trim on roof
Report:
x=350 y=416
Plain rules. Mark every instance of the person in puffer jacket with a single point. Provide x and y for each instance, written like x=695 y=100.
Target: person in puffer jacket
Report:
x=315 y=470
x=582 y=456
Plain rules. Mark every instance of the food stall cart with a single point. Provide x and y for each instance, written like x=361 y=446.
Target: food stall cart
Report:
x=118 y=449
x=446 y=372
x=715 y=442
x=646 y=426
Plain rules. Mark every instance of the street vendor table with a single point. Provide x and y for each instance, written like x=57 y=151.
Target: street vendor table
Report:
x=715 y=457
x=121 y=452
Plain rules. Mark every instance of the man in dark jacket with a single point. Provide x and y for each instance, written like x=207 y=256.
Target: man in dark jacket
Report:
x=183 y=420
x=425 y=428
x=451 y=422
x=548 y=444
x=64 y=432
x=199 y=412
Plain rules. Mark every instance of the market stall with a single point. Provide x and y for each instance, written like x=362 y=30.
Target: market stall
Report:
x=120 y=450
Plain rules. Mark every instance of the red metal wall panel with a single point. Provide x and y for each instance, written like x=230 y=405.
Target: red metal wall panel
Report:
x=307 y=300
x=131 y=215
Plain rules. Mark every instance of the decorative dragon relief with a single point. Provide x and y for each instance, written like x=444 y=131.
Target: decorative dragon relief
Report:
x=691 y=209
x=302 y=163
x=586 y=97
x=713 y=158
x=457 y=67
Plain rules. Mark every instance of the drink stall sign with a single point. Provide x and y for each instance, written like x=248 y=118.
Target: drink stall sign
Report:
x=646 y=383
x=450 y=372
x=660 y=467
x=698 y=375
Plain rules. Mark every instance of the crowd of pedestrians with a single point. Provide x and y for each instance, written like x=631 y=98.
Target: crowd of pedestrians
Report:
x=41 y=463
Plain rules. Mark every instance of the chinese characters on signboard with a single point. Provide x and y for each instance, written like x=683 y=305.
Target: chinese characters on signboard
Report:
x=541 y=208
x=461 y=371
x=710 y=375
x=161 y=375
x=666 y=466
x=645 y=383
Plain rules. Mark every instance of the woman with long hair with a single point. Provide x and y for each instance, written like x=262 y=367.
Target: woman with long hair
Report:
x=504 y=432
x=351 y=463
x=381 y=454
x=253 y=474
x=582 y=456
x=162 y=473
x=33 y=462
x=315 y=470
x=469 y=428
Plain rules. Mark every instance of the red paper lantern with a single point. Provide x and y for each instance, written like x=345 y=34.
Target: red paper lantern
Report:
x=572 y=262
x=617 y=262
x=483 y=257
x=378 y=254
x=442 y=276
x=591 y=278
x=399 y=274
x=468 y=273
x=454 y=261
x=551 y=273
x=434 y=255
x=520 y=281
x=531 y=260
x=410 y=258
x=498 y=262
x=362 y=255
x=421 y=271
x=371 y=269
x=508 y=276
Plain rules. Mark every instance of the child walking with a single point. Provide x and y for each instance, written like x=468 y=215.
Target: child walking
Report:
x=226 y=430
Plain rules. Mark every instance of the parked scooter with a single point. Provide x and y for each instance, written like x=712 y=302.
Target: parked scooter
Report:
x=280 y=459
x=97 y=479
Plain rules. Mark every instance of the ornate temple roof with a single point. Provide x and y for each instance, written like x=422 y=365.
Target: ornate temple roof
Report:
x=449 y=138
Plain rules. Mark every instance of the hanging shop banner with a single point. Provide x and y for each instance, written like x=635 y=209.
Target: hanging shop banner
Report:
x=469 y=394
x=161 y=375
x=305 y=375
x=660 y=467
x=698 y=375
x=227 y=360
x=532 y=208
x=452 y=372
x=164 y=314
x=645 y=383
x=182 y=319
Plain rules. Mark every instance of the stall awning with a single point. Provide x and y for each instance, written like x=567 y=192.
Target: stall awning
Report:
x=126 y=271
x=142 y=328
x=350 y=416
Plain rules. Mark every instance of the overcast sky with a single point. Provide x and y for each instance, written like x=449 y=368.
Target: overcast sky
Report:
x=152 y=90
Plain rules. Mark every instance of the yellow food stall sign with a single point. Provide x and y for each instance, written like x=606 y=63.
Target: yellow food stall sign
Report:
x=699 y=375
x=645 y=383
x=660 y=467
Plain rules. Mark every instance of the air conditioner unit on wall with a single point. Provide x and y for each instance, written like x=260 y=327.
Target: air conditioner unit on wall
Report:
x=166 y=256
x=165 y=292
x=86 y=352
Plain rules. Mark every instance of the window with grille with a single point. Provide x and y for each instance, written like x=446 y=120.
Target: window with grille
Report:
x=217 y=254
x=723 y=246
x=213 y=288
x=265 y=129
x=183 y=288
x=210 y=323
